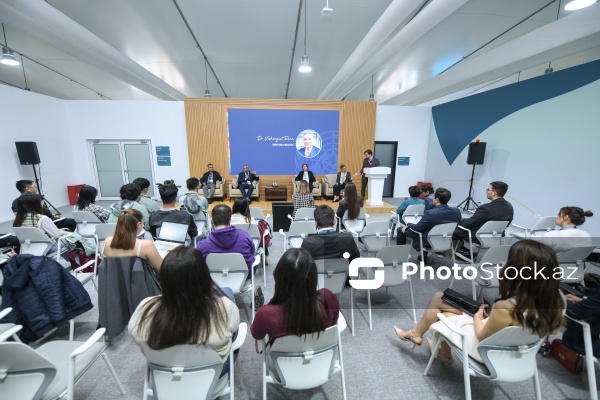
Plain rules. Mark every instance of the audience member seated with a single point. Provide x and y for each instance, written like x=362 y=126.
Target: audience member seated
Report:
x=328 y=243
x=28 y=187
x=29 y=214
x=130 y=198
x=306 y=176
x=587 y=310
x=352 y=203
x=192 y=309
x=414 y=192
x=241 y=216
x=209 y=181
x=168 y=212
x=141 y=234
x=124 y=243
x=86 y=202
x=297 y=307
x=427 y=194
x=527 y=299
x=569 y=235
x=193 y=203
x=225 y=238
x=341 y=179
x=302 y=199
x=498 y=209
x=145 y=200
x=439 y=214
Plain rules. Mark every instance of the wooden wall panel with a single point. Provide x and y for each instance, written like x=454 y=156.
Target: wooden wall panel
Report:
x=207 y=132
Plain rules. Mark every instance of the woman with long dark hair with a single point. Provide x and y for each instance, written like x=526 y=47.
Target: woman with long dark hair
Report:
x=568 y=233
x=297 y=307
x=352 y=203
x=240 y=212
x=191 y=310
x=527 y=299
x=86 y=202
x=124 y=242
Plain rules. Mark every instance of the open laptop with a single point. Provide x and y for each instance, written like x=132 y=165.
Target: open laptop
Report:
x=170 y=236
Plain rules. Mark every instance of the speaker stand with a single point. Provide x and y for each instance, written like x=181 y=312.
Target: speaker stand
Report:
x=469 y=198
x=37 y=184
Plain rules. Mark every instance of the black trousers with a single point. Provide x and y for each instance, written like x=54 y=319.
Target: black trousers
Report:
x=68 y=223
x=338 y=188
x=363 y=185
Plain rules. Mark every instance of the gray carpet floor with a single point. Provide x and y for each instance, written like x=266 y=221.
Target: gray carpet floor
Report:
x=377 y=364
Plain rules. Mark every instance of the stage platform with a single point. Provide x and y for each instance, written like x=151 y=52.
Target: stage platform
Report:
x=267 y=206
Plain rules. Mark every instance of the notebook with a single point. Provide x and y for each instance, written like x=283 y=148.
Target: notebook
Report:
x=170 y=236
x=461 y=301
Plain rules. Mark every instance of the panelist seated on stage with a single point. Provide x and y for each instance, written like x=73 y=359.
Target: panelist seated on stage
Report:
x=306 y=175
x=244 y=180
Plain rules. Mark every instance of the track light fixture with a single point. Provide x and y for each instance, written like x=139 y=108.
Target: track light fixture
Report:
x=8 y=57
x=304 y=63
x=371 y=96
x=206 y=92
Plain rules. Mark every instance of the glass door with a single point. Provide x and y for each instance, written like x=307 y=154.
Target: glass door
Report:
x=118 y=162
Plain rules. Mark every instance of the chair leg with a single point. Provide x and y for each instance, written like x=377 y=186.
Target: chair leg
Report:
x=369 y=301
x=474 y=289
x=113 y=373
x=466 y=376
x=71 y=329
x=264 y=383
x=434 y=352
x=352 y=308
x=412 y=298
x=342 y=366
x=536 y=385
x=145 y=394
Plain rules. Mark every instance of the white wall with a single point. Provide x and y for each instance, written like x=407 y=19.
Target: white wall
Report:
x=409 y=126
x=28 y=116
x=161 y=122
x=547 y=153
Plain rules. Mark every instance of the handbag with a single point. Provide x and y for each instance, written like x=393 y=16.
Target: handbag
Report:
x=259 y=298
x=567 y=357
x=460 y=301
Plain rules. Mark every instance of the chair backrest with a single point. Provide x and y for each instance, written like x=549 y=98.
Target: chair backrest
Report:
x=228 y=270
x=510 y=353
x=440 y=236
x=356 y=225
x=257 y=213
x=543 y=225
x=253 y=231
x=28 y=373
x=184 y=371
x=303 y=362
x=33 y=241
x=105 y=230
x=413 y=213
x=298 y=231
x=375 y=235
x=332 y=274
x=495 y=256
x=392 y=258
x=490 y=234
x=305 y=214
x=86 y=223
x=572 y=262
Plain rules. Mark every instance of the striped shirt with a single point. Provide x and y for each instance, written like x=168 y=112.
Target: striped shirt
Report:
x=302 y=200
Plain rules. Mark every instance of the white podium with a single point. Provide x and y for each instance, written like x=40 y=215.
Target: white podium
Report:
x=376 y=177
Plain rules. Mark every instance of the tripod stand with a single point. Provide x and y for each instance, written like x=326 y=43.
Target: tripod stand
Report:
x=37 y=184
x=469 y=198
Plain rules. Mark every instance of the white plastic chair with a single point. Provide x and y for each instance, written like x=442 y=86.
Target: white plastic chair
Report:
x=412 y=214
x=257 y=213
x=296 y=234
x=508 y=355
x=230 y=270
x=189 y=372
x=6 y=326
x=35 y=241
x=305 y=362
x=439 y=238
x=356 y=225
x=254 y=233
x=489 y=235
x=541 y=227
x=374 y=237
x=202 y=222
x=86 y=223
x=51 y=370
x=488 y=268
x=590 y=360
x=572 y=263
x=303 y=214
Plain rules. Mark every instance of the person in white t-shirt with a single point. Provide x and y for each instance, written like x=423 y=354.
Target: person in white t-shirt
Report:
x=568 y=234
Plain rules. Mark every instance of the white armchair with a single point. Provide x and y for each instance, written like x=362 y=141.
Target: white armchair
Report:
x=316 y=192
x=234 y=191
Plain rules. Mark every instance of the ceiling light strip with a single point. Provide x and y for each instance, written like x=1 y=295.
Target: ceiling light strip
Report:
x=200 y=48
x=287 y=87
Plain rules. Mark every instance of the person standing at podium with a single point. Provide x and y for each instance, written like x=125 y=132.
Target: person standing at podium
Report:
x=368 y=162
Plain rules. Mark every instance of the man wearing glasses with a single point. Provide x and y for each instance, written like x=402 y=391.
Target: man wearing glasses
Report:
x=497 y=209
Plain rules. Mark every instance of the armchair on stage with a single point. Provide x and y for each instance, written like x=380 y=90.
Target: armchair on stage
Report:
x=376 y=177
x=234 y=191
x=328 y=182
x=316 y=192
x=219 y=191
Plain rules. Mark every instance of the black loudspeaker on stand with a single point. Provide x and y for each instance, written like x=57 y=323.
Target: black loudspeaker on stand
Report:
x=28 y=155
x=475 y=157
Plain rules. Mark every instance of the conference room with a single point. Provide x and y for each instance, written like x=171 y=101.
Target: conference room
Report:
x=196 y=83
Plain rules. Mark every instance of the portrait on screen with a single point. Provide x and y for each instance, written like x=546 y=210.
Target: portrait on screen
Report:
x=308 y=143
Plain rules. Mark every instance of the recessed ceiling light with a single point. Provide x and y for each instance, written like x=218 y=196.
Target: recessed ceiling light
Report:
x=579 y=4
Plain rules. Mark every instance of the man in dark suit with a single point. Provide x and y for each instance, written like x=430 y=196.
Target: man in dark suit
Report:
x=328 y=243
x=342 y=178
x=497 y=209
x=368 y=162
x=439 y=214
x=245 y=179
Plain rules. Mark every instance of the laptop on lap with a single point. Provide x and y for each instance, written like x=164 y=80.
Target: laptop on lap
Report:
x=170 y=236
